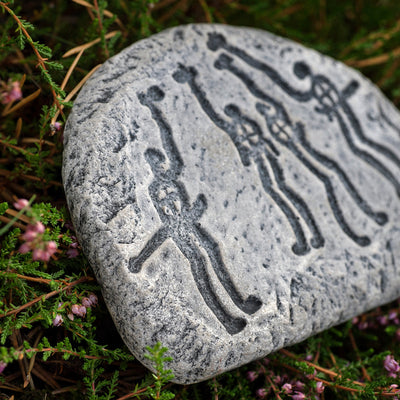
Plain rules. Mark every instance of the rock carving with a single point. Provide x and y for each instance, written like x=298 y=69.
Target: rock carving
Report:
x=181 y=223
x=234 y=193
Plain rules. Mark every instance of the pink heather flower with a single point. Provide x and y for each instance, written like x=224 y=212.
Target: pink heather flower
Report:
x=24 y=248
x=309 y=357
x=29 y=235
x=93 y=299
x=57 y=125
x=392 y=315
x=20 y=204
x=12 y=93
x=298 y=396
x=78 y=310
x=38 y=227
x=3 y=365
x=299 y=386
x=383 y=320
x=58 y=320
x=394 y=388
x=391 y=365
x=261 y=393
x=363 y=325
x=72 y=253
x=40 y=255
x=251 y=376
x=287 y=388
x=70 y=316
x=44 y=255
x=278 y=379
x=320 y=387
x=86 y=302
x=354 y=321
x=51 y=247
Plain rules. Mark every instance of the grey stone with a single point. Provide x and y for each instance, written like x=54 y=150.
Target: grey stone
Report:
x=234 y=192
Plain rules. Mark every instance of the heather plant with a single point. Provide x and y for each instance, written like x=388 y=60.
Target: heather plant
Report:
x=57 y=340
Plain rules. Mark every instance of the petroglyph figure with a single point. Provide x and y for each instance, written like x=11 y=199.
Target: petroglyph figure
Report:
x=255 y=146
x=180 y=222
x=282 y=129
x=331 y=102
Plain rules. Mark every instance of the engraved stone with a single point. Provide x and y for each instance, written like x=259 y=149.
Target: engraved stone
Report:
x=234 y=192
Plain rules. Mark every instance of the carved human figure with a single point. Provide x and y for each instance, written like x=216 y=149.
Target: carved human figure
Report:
x=331 y=102
x=180 y=222
x=225 y=62
x=254 y=146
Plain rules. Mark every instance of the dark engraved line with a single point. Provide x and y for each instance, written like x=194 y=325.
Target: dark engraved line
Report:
x=317 y=240
x=180 y=223
x=323 y=89
x=200 y=274
x=256 y=143
x=176 y=227
x=252 y=303
x=226 y=62
x=379 y=217
x=283 y=131
x=154 y=93
x=217 y=41
x=136 y=264
x=300 y=247
x=368 y=158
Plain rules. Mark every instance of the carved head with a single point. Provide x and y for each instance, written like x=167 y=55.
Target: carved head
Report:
x=154 y=93
x=232 y=111
x=301 y=69
x=215 y=41
x=184 y=74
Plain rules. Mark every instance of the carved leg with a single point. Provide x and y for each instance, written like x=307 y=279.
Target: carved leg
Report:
x=331 y=196
x=317 y=240
x=249 y=305
x=379 y=217
x=300 y=247
x=198 y=266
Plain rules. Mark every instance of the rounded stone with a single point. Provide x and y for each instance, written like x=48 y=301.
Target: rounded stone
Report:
x=234 y=193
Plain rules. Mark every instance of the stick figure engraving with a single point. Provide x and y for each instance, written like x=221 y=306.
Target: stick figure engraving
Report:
x=252 y=144
x=180 y=222
x=226 y=62
x=283 y=130
x=332 y=103
x=217 y=41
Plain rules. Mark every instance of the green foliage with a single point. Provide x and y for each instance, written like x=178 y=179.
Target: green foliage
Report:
x=161 y=376
x=84 y=352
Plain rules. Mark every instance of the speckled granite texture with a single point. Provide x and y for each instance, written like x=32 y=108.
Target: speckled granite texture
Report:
x=234 y=192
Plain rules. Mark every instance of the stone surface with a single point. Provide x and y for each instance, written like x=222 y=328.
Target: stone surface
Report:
x=234 y=192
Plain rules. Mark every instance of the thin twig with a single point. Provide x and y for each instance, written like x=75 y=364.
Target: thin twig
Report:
x=381 y=59
x=354 y=344
x=47 y=296
x=76 y=90
x=317 y=367
x=41 y=60
x=85 y=46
